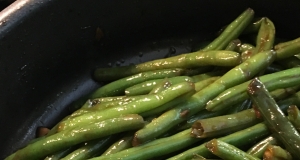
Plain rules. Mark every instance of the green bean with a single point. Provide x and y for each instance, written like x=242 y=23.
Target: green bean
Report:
x=147 y=86
x=201 y=115
x=245 y=47
x=220 y=125
x=189 y=60
x=60 y=154
x=237 y=139
x=237 y=94
x=247 y=54
x=159 y=110
x=198 y=70
x=117 y=87
x=107 y=99
x=274 y=117
x=290 y=62
x=68 y=138
x=227 y=151
x=232 y=31
x=288 y=51
x=198 y=101
x=204 y=83
x=292 y=100
x=283 y=93
x=258 y=149
x=276 y=153
x=274 y=68
x=120 y=145
x=266 y=36
x=253 y=27
x=294 y=116
x=139 y=106
x=207 y=75
x=233 y=45
x=160 y=86
x=89 y=149
x=155 y=148
x=284 y=44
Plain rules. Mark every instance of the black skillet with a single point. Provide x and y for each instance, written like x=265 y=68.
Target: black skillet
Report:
x=48 y=48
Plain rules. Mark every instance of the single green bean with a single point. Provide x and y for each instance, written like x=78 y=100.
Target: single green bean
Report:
x=266 y=36
x=227 y=151
x=89 y=149
x=189 y=60
x=198 y=101
x=220 y=125
x=68 y=138
x=237 y=139
x=117 y=87
x=232 y=31
x=147 y=86
x=238 y=93
x=288 y=51
x=195 y=71
x=233 y=45
x=283 y=93
x=204 y=83
x=161 y=86
x=245 y=47
x=284 y=44
x=201 y=115
x=159 y=110
x=276 y=153
x=139 y=106
x=274 y=117
x=60 y=154
x=155 y=148
x=120 y=145
x=254 y=26
x=207 y=75
x=258 y=149
x=294 y=116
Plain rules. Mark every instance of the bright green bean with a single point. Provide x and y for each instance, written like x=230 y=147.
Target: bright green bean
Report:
x=232 y=31
x=189 y=60
x=227 y=151
x=121 y=144
x=160 y=86
x=204 y=83
x=207 y=75
x=147 y=86
x=68 y=138
x=117 y=87
x=220 y=125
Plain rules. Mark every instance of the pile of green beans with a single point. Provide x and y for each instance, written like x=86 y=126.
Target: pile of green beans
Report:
x=232 y=99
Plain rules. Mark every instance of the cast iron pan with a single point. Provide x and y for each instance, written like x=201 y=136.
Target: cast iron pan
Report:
x=48 y=48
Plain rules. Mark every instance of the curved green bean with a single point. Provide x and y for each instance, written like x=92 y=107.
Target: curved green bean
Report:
x=198 y=101
x=254 y=26
x=288 y=51
x=274 y=117
x=232 y=31
x=117 y=87
x=68 y=138
x=139 y=106
x=227 y=151
x=266 y=36
x=284 y=44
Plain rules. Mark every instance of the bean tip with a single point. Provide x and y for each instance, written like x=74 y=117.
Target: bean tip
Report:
x=135 y=141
